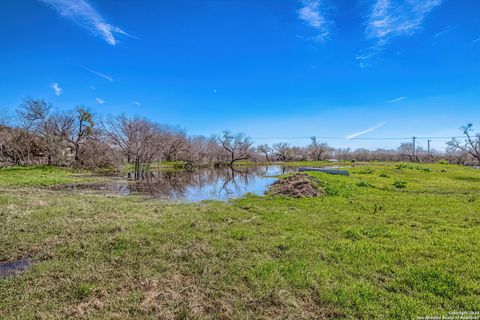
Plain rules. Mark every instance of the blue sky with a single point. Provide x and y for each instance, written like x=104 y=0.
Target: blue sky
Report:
x=276 y=70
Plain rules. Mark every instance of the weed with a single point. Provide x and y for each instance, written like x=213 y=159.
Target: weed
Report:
x=400 y=184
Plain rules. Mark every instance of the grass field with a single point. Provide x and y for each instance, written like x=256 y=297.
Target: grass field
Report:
x=390 y=241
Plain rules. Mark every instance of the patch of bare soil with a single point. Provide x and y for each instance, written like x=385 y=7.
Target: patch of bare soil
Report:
x=297 y=186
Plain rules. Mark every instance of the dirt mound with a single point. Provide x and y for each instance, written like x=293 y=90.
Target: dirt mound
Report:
x=297 y=186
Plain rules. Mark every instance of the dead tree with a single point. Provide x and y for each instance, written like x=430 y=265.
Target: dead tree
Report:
x=136 y=137
x=318 y=151
x=266 y=150
x=282 y=151
x=83 y=130
x=470 y=144
x=238 y=147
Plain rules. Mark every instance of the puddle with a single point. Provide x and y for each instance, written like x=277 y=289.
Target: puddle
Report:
x=190 y=186
x=11 y=268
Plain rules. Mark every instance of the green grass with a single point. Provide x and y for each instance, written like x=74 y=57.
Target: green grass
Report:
x=35 y=176
x=366 y=250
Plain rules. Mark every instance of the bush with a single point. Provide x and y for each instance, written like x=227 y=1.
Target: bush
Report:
x=363 y=184
x=399 y=184
x=443 y=161
x=384 y=175
x=366 y=171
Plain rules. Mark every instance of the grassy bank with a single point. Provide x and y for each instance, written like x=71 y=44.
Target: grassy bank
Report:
x=391 y=241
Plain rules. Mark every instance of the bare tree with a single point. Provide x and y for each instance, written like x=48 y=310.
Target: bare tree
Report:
x=238 y=147
x=32 y=116
x=470 y=145
x=195 y=151
x=136 y=137
x=318 y=151
x=83 y=129
x=266 y=150
x=282 y=151
x=173 y=142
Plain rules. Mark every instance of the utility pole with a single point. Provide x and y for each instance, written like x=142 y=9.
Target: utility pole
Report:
x=414 y=149
x=429 y=149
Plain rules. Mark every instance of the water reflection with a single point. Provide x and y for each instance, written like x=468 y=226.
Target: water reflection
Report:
x=200 y=184
x=206 y=184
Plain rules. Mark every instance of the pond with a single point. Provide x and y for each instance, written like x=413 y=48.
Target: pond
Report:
x=191 y=186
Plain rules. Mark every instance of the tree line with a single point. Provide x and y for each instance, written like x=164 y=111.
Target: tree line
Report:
x=39 y=136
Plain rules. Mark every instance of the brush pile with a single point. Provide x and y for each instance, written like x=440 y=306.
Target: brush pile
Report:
x=296 y=186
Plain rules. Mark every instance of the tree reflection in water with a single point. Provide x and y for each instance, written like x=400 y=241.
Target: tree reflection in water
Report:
x=205 y=183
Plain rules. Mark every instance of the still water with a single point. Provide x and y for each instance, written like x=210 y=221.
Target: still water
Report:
x=200 y=184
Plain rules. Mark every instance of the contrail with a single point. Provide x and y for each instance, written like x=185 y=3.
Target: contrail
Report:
x=381 y=124
x=102 y=75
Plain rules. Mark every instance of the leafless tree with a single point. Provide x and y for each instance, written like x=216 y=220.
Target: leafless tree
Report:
x=238 y=147
x=318 y=151
x=82 y=131
x=136 y=137
x=32 y=114
x=173 y=142
x=282 y=151
x=266 y=150
x=470 y=144
x=195 y=151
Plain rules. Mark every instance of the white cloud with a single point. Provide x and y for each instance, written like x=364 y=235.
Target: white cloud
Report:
x=99 y=101
x=390 y=19
x=56 y=88
x=92 y=87
x=137 y=103
x=101 y=75
x=476 y=41
x=82 y=13
x=354 y=135
x=397 y=99
x=311 y=14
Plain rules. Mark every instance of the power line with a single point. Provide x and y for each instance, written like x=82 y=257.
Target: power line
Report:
x=343 y=138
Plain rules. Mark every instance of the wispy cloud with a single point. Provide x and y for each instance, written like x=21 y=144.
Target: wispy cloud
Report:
x=476 y=41
x=442 y=32
x=102 y=75
x=56 y=88
x=137 y=103
x=397 y=99
x=391 y=19
x=82 y=13
x=99 y=101
x=354 y=135
x=311 y=14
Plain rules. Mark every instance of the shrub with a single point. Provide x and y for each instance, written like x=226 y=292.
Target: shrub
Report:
x=366 y=171
x=384 y=175
x=363 y=184
x=399 y=184
x=443 y=161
